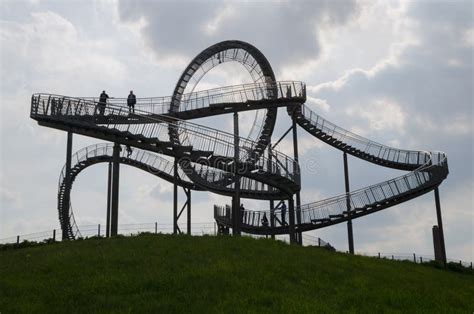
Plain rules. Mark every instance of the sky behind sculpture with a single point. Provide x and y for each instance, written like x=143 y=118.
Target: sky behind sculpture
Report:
x=399 y=73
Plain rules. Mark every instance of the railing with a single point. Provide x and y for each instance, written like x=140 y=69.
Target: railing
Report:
x=253 y=218
x=98 y=230
x=432 y=169
x=412 y=257
x=208 y=228
x=223 y=95
x=427 y=176
x=401 y=156
x=153 y=161
x=214 y=178
x=116 y=118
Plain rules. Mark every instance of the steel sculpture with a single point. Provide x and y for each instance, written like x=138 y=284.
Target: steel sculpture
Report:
x=203 y=158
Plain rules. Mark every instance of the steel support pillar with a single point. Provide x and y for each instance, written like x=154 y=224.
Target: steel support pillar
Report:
x=291 y=214
x=115 y=190
x=67 y=191
x=188 y=213
x=348 y=206
x=299 y=235
x=186 y=206
x=272 y=217
x=175 y=197
x=236 y=214
x=109 y=191
x=440 y=225
x=272 y=202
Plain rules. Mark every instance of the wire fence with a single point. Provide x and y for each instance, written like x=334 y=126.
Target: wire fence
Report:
x=209 y=228
x=98 y=230
x=413 y=257
x=88 y=231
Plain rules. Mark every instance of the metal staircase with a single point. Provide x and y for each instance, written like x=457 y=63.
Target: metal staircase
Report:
x=356 y=145
x=100 y=153
x=193 y=142
x=428 y=170
x=210 y=159
x=217 y=101
x=153 y=164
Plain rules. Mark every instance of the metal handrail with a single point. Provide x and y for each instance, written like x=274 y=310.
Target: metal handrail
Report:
x=432 y=169
x=105 y=149
x=228 y=94
x=367 y=146
x=199 y=137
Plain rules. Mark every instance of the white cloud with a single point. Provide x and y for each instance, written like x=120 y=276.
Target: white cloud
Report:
x=468 y=37
x=382 y=114
x=321 y=104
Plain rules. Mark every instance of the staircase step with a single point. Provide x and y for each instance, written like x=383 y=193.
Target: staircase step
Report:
x=320 y=220
x=201 y=153
x=181 y=148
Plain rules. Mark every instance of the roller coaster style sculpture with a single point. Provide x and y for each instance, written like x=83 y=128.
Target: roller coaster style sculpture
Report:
x=206 y=159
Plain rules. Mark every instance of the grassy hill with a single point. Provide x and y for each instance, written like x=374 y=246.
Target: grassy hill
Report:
x=168 y=274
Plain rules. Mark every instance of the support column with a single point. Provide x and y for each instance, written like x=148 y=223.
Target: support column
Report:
x=115 y=190
x=298 y=198
x=188 y=214
x=291 y=214
x=348 y=206
x=109 y=190
x=440 y=225
x=175 y=198
x=272 y=217
x=236 y=215
x=67 y=191
x=272 y=202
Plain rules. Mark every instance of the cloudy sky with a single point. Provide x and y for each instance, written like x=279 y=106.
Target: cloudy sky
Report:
x=400 y=73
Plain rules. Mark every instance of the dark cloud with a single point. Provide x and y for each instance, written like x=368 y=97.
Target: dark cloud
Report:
x=431 y=83
x=286 y=31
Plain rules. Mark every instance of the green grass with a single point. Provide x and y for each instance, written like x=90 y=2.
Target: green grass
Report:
x=181 y=274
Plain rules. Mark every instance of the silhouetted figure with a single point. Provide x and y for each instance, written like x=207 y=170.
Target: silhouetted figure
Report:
x=265 y=220
x=242 y=212
x=129 y=151
x=283 y=213
x=102 y=102
x=59 y=106
x=131 y=101
x=53 y=106
x=288 y=91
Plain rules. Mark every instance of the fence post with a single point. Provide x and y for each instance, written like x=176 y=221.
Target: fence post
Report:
x=421 y=260
x=379 y=254
x=414 y=258
x=319 y=241
x=54 y=235
x=392 y=257
x=156 y=227
x=17 y=239
x=98 y=230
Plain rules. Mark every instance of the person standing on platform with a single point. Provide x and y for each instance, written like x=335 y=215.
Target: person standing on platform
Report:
x=283 y=213
x=131 y=101
x=264 y=220
x=242 y=212
x=102 y=102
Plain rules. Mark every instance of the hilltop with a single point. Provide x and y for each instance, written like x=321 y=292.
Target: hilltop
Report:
x=167 y=274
